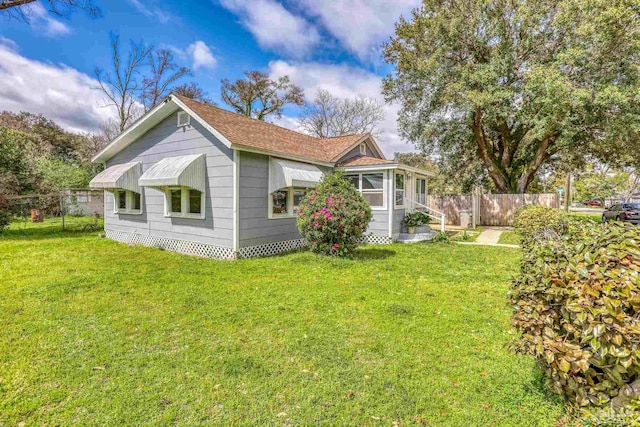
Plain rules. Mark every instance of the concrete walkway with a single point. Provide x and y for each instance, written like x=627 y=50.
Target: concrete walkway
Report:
x=490 y=237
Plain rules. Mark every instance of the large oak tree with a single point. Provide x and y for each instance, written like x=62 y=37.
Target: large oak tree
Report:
x=517 y=83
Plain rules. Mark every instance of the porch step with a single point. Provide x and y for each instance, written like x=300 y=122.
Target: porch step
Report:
x=416 y=237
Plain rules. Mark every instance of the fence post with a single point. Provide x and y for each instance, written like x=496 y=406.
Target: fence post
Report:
x=62 y=209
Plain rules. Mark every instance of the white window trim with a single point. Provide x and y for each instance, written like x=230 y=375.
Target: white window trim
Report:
x=129 y=203
x=415 y=195
x=290 y=213
x=184 y=204
x=404 y=190
x=384 y=188
x=363 y=148
x=181 y=114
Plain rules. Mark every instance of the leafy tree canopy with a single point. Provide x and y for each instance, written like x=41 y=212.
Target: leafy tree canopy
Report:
x=519 y=84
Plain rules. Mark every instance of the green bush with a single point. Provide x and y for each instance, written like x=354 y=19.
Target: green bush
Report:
x=606 y=417
x=534 y=222
x=415 y=219
x=441 y=237
x=577 y=310
x=333 y=217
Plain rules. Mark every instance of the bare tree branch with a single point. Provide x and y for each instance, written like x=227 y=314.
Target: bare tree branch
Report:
x=258 y=96
x=21 y=9
x=163 y=73
x=194 y=91
x=121 y=85
x=329 y=116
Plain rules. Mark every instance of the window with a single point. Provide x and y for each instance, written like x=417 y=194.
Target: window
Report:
x=176 y=201
x=122 y=200
x=371 y=186
x=353 y=180
x=298 y=195
x=127 y=202
x=82 y=197
x=421 y=191
x=363 y=149
x=373 y=189
x=284 y=203
x=183 y=202
x=195 y=201
x=399 y=189
x=279 y=202
x=137 y=201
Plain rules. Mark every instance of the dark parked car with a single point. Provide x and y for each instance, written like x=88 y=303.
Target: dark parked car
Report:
x=628 y=212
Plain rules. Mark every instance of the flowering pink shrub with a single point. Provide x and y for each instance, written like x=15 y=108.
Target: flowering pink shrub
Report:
x=333 y=217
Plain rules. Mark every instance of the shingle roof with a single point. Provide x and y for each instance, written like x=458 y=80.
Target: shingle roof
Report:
x=266 y=136
x=366 y=161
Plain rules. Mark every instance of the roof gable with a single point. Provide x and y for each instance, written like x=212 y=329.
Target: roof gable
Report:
x=242 y=133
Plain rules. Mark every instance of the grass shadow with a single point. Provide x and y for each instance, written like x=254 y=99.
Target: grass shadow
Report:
x=537 y=385
x=373 y=253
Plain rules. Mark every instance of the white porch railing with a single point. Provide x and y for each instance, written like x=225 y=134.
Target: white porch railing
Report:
x=419 y=207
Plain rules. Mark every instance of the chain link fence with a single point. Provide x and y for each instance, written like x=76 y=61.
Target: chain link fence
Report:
x=55 y=210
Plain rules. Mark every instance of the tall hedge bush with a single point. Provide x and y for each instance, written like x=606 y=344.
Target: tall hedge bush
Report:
x=577 y=310
x=333 y=217
x=533 y=222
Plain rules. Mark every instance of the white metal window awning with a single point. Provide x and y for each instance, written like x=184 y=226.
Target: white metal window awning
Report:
x=286 y=173
x=124 y=176
x=184 y=171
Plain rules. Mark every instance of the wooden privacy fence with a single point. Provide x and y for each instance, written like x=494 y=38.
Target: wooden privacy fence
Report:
x=494 y=209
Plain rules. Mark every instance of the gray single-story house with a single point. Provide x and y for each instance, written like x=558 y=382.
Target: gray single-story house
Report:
x=193 y=178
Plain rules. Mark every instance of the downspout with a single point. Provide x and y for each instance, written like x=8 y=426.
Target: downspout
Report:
x=236 y=203
x=390 y=195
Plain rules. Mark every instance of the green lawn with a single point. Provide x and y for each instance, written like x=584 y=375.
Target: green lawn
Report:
x=509 y=237
x=95 y=332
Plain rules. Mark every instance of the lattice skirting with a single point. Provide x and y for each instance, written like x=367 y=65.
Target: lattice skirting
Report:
x=181 y=246
x=271 y=248
x=218 y=252
x=374 y=239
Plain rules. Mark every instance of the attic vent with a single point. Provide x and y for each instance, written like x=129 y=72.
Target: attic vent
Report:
x=363 y=149
x=183 y=119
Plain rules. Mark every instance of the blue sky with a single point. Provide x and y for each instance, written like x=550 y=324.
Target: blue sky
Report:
x=46 y=65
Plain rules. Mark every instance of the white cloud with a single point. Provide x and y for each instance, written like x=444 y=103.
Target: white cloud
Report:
x=8 y=43
x=40 y=20
x=274 y=27
x=360 y=25
x=60 y=93
x=345 y=82
x=152 y=12
x=201 y=55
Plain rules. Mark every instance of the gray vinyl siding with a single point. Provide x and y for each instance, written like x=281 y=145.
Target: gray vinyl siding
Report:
x=398 y=215
x=255 y=226
x=167 y=140
x=379 y=224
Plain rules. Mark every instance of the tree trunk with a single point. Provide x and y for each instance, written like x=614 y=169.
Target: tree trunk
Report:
x=499 y=156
